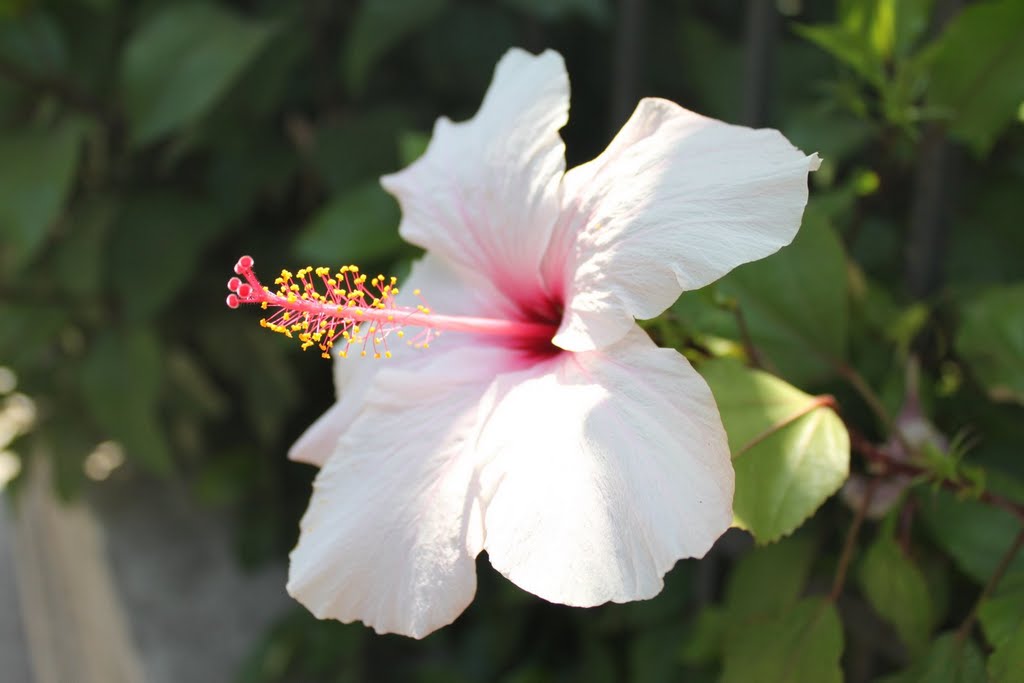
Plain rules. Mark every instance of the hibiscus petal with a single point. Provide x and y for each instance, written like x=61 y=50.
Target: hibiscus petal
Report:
x=600 y=471
x=442 y=286
x=391 y=532
x=484 y=194
x=676 y=201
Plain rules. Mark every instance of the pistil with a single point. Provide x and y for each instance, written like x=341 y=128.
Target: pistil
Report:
x=351 y=311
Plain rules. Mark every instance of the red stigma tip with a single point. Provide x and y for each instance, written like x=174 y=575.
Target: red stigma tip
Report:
x=243 y=290
x=245 y=262
x=233 y=284
x=232 y=301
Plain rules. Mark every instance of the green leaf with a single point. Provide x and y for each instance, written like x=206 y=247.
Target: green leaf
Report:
x=156 y=246
x=34 y=42
x=898 y=592
x=991 y=339
x=976 y=73
x=975 y=534
x=360 y=148
x=948 y=660
x=37 y=168
x=380 y=25
x=28 y=331
x=850 y=48
x=181 y=61
x=790 y=450
x=120 y=382
x=795 y=303
x=784 y=566
x=705 y=636
x=598 y=12
x=359 y=226
x=1002 y=614
x=801 y=644
x=80 y=257
x=1007 y=661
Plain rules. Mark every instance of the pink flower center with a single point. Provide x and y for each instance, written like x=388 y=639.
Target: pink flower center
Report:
x=344 y=311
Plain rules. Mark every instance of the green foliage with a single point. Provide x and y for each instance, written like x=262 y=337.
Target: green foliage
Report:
x=120 y=385
x=897 y=590
x=180 y=61
x=950 y=659
x=991 y=339
x=37 y=168
x=802 y=644
x=1002 y=619
x=975 y=535
x=790 y=450
x=976 y=73
x=361 y=223
x=380 y=25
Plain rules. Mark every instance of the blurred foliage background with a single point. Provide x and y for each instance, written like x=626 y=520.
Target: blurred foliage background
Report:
x=145 y=145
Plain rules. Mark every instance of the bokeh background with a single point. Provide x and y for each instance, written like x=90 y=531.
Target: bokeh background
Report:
x=145 y=145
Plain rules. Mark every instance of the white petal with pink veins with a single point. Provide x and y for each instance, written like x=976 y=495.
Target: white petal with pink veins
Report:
x=676 y=201
x=601 y=470
x=392 y=529
x=485 y=193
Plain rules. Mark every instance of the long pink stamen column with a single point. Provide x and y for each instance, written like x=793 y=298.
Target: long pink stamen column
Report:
x=352 y=312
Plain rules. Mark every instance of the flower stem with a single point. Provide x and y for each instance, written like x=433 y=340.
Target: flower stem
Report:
x=846 y=556
x=890 y=466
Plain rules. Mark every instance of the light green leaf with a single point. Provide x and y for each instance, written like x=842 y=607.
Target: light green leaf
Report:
x=795 y=303
x=181 y=61
x=898 y=592
x=120 y=383
x=991 y=339
x=802 y=644
x=359 y=226
x=37 y=168
x=976 y=75
x=380 y=25
x=790 y=450
x=784 y=566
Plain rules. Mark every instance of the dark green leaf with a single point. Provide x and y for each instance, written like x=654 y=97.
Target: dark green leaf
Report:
x=34 y=42
x=795 y=303
x=121 y=385
x=359 y=226
x=948 y=660
x=1007 y=661
x=36 y=171
x=803 y=643
x=991 y=339
x=975 y=534
x=1002 y=614
x=898 y=592
x=977 y=68
x=380 y=25
x=178 y=63
x=597 y=11
x=156 y=247
x=790 y=450
x=784 y=566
